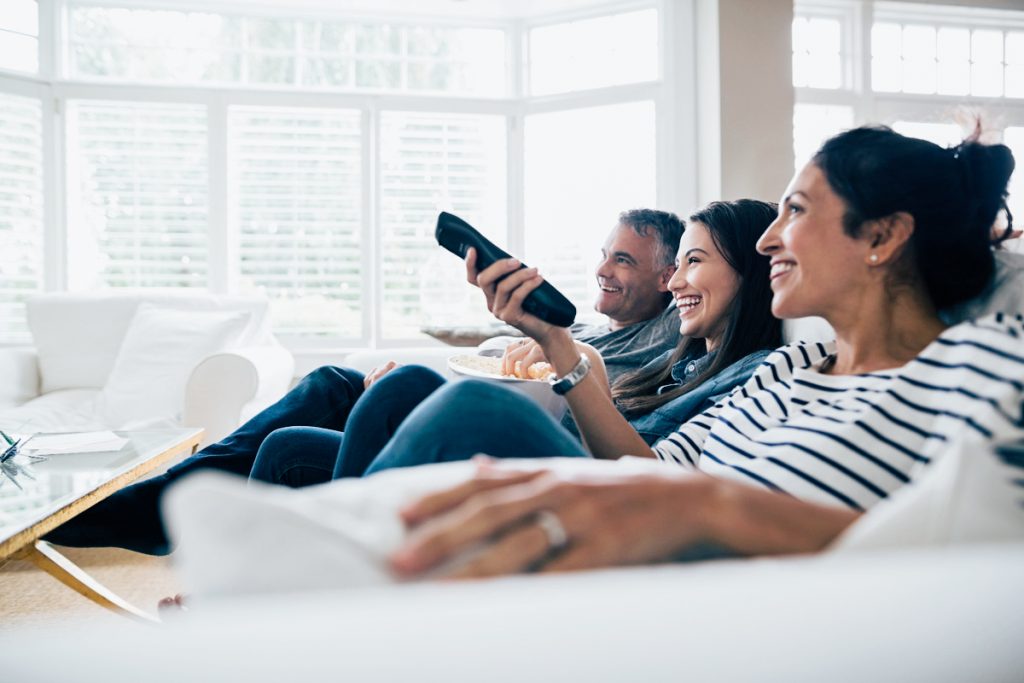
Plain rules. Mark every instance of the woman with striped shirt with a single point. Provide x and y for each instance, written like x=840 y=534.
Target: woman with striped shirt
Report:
x=876 y=235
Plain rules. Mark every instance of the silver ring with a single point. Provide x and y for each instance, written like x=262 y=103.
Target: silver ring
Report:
x=553 y=528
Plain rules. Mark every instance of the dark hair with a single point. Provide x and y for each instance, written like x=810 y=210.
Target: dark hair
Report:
x=667 y=227
x=954 y=196
x=734 y=227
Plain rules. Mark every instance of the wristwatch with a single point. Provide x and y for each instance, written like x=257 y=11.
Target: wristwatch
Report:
x=561 y=385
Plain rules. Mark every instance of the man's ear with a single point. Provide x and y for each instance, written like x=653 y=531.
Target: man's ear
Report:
x=664 y=276
x=888 y=236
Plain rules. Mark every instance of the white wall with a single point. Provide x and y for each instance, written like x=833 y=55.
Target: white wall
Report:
x=744 y=98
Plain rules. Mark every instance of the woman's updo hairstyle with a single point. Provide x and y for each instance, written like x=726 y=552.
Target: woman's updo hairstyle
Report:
x=954 y=196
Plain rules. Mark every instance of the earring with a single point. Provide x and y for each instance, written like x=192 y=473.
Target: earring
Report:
x=873 y=258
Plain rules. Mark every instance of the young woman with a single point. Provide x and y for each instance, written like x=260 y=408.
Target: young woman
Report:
x=876 y=234
x=720 y=288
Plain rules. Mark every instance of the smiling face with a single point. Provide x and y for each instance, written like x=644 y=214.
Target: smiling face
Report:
x=631 y=278
x=816 y=268
x=703 y=287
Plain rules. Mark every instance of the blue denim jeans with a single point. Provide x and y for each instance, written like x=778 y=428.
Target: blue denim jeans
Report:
x=131 y=517
x=302 y=456
x=467 y=417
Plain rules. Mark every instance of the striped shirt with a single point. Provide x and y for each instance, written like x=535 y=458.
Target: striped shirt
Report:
x=851 y=440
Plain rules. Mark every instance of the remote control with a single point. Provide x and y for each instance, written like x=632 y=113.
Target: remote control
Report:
x=545 y=302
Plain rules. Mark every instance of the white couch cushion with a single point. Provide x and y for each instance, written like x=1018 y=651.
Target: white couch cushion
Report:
x=78 y=336
x=160 y=349
x=68 y=410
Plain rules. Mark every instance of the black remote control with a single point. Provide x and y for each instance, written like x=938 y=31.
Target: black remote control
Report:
x=545 y=302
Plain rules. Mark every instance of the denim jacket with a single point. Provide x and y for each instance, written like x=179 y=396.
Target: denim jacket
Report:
x=665 y=419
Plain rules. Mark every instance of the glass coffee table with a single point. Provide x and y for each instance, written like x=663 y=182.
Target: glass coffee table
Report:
x=43 y=495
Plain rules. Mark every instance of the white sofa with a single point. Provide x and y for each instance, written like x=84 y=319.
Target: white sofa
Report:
x=59 y=383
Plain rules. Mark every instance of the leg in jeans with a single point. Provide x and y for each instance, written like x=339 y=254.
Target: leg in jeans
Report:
x=468 y=417
x=377 y=416
x=297 y=456
x=300 y=456
x=131 y=517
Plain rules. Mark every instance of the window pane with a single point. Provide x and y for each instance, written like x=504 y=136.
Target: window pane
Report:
x=815 y=123
x=954 y=49
x=197 y=47
x=886 y=74
x=19 y=52
x=1015 y=80
x=594 y=53
x=987 y=63
x=886 y=40
x=19 y=36
x=575 y=189
x=1015 y=48
x=944 y=134
x=21 y=212
x=296 y=192
x=138 y=195
x=429 y=163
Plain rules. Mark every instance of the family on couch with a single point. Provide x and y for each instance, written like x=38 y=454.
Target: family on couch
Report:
x=876 y=234
x=633 y=274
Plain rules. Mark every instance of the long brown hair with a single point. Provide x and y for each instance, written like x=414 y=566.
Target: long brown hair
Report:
x=734 y=227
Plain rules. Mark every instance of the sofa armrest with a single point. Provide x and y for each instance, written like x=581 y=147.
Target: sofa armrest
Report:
x=228 y=388
x=19 y=368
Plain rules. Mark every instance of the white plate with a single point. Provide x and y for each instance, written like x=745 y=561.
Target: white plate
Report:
x=468 y=366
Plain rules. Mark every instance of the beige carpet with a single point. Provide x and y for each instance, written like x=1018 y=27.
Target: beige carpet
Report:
x=29 y=596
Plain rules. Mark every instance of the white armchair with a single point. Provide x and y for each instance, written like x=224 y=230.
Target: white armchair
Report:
x=63 y=382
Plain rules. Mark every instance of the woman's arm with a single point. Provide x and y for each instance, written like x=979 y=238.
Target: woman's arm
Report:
x=609 y=520
x=605 y=431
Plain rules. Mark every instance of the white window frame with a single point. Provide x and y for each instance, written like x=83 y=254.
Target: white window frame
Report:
x=856 y=19
x=676 y=186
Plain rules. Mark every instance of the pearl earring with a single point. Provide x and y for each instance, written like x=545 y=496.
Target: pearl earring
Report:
x=873 y=258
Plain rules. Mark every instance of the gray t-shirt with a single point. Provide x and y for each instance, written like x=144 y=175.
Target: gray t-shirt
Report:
x=634 y=346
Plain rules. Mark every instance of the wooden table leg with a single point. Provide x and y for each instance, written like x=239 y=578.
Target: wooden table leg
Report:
x=46 y=557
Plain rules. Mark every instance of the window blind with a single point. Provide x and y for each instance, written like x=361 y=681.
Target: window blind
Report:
x=297 y=195
x=138 y=201
x=431 y=162
x=21 y=211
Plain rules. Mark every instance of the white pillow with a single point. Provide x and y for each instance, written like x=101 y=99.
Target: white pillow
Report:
x=160 y=349
x=969 y=495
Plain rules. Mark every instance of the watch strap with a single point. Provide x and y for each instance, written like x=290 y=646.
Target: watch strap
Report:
x=562 y=385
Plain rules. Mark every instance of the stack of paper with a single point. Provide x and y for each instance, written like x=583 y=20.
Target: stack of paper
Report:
x=75 y=442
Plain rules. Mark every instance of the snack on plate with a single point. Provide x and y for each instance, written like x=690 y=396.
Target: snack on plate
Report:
x=540 y=370
x=491 y=366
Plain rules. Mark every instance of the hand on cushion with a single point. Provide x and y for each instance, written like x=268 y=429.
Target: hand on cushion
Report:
x=608 y=519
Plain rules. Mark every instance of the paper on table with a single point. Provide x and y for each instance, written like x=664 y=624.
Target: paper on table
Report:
x=75 y=442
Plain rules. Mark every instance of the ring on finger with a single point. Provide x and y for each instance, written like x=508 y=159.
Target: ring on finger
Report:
x=553 y=528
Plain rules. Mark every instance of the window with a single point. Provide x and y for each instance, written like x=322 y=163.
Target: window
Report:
x=137 y=195
x=928 y=59
x=19 y=36
x=575 y=189
x=198 y=47
x=594 y=53
x=927 y=70
x=304 y=153
x=433 y=162
x=21 y=210
x=817 y=52
x=815 y=123
x=297 y=198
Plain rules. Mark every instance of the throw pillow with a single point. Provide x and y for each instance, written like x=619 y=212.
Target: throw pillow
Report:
x=159 y=351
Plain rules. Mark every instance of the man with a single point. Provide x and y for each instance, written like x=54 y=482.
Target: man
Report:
x=638 y=260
